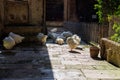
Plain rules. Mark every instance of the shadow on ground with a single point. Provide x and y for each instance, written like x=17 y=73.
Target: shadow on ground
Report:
x=26 y=61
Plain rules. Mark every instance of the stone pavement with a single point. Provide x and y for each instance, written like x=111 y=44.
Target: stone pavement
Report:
x=54 y=62
x=79 y=65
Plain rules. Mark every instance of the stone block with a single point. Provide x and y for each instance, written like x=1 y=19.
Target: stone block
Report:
x=110 y=51
x=16 y=12
x=101 y=74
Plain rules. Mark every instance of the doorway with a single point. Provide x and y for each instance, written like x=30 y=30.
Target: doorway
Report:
x=86 y=11
x=54 y=12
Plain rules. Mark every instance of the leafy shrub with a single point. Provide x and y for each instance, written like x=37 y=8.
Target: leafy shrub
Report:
x=105 y=10
x=116 y=36
x=107 y=7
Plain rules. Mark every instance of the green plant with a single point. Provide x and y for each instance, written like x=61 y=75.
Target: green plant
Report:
x=107 y=7
x=116 y=35
x=99 y=12
x=118 y=10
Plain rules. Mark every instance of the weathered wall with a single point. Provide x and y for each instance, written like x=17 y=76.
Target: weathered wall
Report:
x=72 y=16
x=1 y=16
x=22 y=16
x=23 y=12
x=36 y=11
x=16 y=12
x=27 y=19
x=110 y=51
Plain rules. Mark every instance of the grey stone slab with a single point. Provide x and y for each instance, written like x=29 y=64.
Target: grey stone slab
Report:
x=61 y=67
x=70 y=78
x=102 y=74
x=104 y=67
x=70 y=62
x=78 y=67
x=55 y=62
x=71 y=74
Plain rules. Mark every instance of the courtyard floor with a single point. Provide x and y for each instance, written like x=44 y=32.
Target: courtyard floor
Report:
x=31 y=61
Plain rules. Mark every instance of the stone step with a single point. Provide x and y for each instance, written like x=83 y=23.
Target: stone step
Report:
x=22 y=29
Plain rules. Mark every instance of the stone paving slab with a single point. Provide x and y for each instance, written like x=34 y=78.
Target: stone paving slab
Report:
x=55 y=62
x=81 y=64
x=102 y=74
x=71 y=74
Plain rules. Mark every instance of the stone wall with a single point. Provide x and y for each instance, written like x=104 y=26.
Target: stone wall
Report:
x=1 y=16
x=72 y=16
x=28 y=11
x=110 y=51
x=16 y=12
x=23 y=17
x=36 y=11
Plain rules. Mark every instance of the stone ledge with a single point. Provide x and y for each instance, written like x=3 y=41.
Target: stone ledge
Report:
x=110 y=51
x=22 y=29
x=29 y=32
